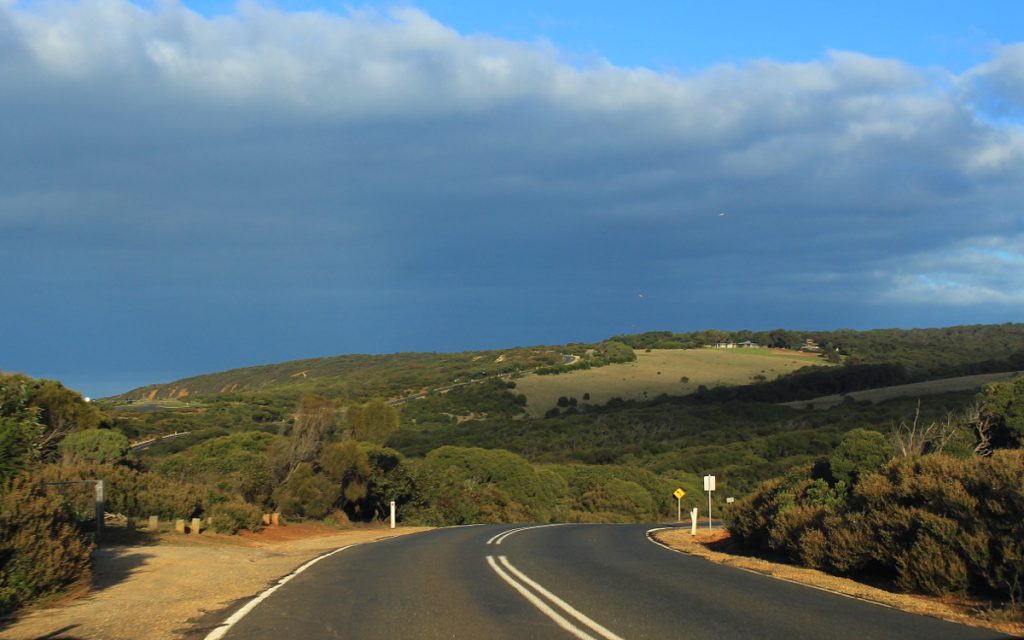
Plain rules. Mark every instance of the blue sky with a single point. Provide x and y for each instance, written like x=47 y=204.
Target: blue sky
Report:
x=190 y=187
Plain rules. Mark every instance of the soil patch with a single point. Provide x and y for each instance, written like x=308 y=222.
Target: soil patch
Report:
x=168 y=590
x=711 y=546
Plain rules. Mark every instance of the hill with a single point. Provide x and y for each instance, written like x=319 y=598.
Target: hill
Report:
x=672 y=372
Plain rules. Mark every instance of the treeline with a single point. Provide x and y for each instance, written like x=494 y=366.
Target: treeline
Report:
x=606 y=353
x=810 y=382
x=934 y=507
x=924 y=354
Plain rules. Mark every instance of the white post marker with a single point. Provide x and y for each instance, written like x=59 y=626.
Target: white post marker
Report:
x=693 y=522
x=709 y=486
x=392 y=514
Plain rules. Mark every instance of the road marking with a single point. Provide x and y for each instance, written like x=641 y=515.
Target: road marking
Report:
x=565 y=606
x=225 y=626
x=498 y=538
x=537 y=602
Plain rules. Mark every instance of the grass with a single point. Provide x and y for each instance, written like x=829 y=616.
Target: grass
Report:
x=668 y=371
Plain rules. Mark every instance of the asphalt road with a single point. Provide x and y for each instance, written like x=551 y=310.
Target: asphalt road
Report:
x=562 y=581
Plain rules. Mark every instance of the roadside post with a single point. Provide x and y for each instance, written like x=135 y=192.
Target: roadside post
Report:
x=392 y=514
x=679 y=493
x=709 y=486
x=693 y=522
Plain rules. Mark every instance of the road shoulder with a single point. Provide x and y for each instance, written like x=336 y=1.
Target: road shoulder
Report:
x=950 y=609
x=160 y=591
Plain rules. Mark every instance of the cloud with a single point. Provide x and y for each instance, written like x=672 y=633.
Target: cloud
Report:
x=998 y=85
x=362 y=167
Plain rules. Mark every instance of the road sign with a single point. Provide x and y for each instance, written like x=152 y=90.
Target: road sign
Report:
x=709 y=483
x=679 y=493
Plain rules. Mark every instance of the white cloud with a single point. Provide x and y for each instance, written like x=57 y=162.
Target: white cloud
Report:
x=984 y=270
x=406 y=143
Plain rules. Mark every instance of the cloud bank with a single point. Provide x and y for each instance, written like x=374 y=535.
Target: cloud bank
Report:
x=379 y=181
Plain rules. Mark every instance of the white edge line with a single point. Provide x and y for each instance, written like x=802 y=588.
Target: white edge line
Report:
x=537 y=602
x=225 y=626
x=565 y=606
x=766 y=575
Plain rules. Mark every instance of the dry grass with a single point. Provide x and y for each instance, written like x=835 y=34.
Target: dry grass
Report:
x=914 y=390
x=162 y=591
x=958 y=610
x=661 y=371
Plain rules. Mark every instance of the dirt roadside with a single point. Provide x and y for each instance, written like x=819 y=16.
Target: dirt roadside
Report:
x=951 y=609
x=162 y=589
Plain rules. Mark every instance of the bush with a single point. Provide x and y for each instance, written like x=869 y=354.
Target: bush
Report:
x=96 y=445
x=306 y=494
x=233 y=515
x=42 y=550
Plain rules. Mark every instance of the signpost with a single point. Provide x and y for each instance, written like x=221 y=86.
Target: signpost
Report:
x=679 y=493
x=709 y=486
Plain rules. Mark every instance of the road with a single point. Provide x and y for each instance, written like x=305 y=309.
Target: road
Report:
x=562 y=581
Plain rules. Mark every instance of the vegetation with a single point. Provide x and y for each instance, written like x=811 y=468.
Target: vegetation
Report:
x=448 y=437
x=934 y=508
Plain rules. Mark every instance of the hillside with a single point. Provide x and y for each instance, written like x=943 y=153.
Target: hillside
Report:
x=672 y=372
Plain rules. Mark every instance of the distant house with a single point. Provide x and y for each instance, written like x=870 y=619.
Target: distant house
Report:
x=811 y=345
x=747 y=344
x=725 y=345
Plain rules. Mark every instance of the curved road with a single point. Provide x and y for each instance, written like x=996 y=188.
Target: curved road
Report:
x=558 y=581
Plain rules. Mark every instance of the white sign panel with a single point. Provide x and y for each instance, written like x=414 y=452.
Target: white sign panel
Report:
x=709 y=483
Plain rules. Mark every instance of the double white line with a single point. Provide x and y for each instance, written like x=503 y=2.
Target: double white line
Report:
x=497 y=539
x=520 y=581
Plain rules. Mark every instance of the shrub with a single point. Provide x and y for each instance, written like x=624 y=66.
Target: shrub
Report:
x=306 y=494
x=96 y=445
x=233 y=515
x=42 y=550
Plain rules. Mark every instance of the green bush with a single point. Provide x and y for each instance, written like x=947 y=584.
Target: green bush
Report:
x=42 y=550
x=935 y=524
x=306 y=494
x=96 y=445
x=234 y=515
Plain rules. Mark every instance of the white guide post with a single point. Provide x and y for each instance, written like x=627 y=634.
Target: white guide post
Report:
x=693 y=522
x=392 y=514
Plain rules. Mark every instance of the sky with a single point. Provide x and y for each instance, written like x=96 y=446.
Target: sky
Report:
x=188 y=187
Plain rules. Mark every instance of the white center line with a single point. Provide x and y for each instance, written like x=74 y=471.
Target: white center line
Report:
x=543 y=607
x=498 y=538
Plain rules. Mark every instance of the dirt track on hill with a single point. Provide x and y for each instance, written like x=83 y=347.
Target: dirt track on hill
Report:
x=161 y=591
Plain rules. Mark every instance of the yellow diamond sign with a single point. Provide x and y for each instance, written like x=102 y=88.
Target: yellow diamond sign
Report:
x=679 y=493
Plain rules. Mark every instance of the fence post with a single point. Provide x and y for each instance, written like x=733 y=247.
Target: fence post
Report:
x=100 y=508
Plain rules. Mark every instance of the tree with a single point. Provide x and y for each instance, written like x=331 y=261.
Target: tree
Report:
x=314 y=424
x=860 y=451
x=306 y=494
x=1003 y=403
x=348 y=467
x=374 y=421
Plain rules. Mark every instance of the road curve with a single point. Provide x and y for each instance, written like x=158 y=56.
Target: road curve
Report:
x=563 y=581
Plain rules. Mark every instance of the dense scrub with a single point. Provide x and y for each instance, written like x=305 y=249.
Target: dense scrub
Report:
x=939 y=517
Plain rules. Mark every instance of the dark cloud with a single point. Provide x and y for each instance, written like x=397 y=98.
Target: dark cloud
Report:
x=201 y=193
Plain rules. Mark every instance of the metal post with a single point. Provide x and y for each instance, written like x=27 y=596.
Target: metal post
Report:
x=709 y=512
x=679 y=509
x=392 y=514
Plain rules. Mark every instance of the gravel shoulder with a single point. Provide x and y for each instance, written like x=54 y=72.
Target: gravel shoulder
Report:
x=165 y=589
x=950 y=608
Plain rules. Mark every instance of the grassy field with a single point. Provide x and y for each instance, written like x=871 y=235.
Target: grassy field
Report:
x=914 y=390
x=669 y=371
